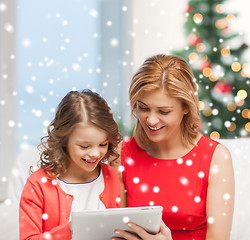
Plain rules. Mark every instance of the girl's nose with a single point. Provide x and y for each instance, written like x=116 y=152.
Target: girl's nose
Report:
x=94 y=153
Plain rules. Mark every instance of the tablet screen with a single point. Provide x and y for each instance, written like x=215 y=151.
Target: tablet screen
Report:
x=100 y=224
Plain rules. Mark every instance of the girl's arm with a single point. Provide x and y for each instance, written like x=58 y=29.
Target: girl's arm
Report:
x=220 y=195
x=31 y=217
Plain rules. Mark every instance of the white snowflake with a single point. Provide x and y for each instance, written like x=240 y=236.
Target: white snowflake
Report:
x=144 y=188
x=156 y=189
x=210 y=220
x=184 y=181
x=45 y=216
x=174 y=209
x=125 y=219
x=11 y=123
x=136 y=180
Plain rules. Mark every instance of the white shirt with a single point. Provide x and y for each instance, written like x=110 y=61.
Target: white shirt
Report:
x=86 y=195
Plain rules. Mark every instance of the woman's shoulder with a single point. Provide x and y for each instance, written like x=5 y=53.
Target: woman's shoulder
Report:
x=130 y=143
x=218 y=150
x=128 y=140
x=221 y=152
x=207 y=141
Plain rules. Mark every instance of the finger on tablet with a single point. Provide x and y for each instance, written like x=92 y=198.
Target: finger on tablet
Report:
x=125 y=235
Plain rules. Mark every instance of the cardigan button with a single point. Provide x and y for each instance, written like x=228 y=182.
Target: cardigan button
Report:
x=101 y=195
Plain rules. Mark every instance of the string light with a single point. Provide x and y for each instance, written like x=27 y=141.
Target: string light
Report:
x=240 y=103
x=193 y=56
x=225 y=52
x=215 y=135
x=246 y=70
x=230 y=18
x=201 y=47
x=245 y=113
x=219 y=8
x=207 y=112
x=232 y=127
x=207 y=72
x=236 y=66
x=247 y=126
x=221 y=24
x=198 y=18
x=214 y=77
x=231 y=107
x=201 y=105
x=242 y=94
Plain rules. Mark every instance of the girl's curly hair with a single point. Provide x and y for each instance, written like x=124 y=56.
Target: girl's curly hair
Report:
x=74 y=108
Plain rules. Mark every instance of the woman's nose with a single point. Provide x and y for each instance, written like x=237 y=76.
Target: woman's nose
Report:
x=152 y=119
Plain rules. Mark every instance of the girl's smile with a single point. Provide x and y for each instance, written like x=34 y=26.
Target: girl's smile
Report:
x=87 y=146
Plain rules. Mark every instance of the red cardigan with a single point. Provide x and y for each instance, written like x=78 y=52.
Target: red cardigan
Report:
x=45 y=208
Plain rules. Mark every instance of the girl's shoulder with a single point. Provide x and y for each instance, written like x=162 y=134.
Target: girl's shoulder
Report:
x=39 y=175
x=107 y=169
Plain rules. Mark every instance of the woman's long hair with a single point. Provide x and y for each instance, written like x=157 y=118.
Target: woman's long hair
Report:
x=174 y=76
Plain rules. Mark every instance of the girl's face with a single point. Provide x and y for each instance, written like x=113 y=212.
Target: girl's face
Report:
x=87 y=145
x=160 y=115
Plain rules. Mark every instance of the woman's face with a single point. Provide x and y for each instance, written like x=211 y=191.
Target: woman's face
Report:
x=160 y=115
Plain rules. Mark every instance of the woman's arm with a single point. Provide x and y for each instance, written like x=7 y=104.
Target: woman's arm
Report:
x=220 y=195
x=119 y=168
x=164 y=233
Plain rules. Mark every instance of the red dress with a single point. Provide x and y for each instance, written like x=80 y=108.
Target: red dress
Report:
x=179 y=185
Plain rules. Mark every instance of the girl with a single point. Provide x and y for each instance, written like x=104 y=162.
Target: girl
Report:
x=73 y=175
x=169 y=163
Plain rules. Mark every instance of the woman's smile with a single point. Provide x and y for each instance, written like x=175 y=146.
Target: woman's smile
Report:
x=155 y=129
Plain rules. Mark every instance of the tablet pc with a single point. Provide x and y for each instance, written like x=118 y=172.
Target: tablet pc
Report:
x=100 y=224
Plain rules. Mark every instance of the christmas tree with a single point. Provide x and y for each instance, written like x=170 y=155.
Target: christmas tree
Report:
x=215 y=53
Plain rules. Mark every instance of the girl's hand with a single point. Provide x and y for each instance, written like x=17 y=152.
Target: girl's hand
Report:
x=164 y=233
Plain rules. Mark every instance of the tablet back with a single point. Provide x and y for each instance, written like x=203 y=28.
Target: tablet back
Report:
x=100 y=224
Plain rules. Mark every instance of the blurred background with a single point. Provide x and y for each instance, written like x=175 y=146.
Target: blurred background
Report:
x=49 y=47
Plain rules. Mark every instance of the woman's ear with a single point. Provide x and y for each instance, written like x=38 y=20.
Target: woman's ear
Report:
x=185 y=108
x=186 y=111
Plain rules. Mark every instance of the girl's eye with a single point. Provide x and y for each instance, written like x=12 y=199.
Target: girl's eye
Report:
x=84 y=147
x=104 y=144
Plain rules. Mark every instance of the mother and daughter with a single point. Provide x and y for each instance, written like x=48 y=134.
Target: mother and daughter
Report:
x=167 y=162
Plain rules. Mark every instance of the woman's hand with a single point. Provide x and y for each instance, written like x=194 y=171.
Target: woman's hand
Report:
x=164 y=233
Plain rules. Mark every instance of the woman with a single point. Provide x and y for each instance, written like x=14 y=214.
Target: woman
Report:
x=169 y=163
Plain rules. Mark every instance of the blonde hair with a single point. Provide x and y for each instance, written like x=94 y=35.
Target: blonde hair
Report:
x=173 y=75
x=74 y=108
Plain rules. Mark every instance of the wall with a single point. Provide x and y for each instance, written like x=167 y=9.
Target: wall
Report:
x=7 y=91
x=157 y=26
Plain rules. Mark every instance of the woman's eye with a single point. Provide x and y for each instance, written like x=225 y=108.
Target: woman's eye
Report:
x=143 y=108
x=164 y=112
